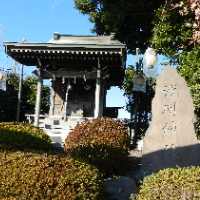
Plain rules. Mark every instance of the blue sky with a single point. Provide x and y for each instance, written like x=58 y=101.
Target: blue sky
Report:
x=37 y=20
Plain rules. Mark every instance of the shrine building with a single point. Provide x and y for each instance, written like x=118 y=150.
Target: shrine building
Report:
x=81 y=69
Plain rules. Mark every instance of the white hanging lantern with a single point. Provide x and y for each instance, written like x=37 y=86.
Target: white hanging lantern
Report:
x=69 y=87
x=150 y=59
x=139 y=83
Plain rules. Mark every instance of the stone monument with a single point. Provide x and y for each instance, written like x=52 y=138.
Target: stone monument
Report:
x=171 y=139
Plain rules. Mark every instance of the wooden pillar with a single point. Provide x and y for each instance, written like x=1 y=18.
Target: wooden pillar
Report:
x=20 y=94
x=52 y=105
x=97 y=97
x=38 y=97
x=98 y=92
x=103 y=97
x=65 y=100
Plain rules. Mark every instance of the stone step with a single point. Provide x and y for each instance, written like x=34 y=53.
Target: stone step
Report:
x=59 y=127
x=61 y=120
x=60 y=123
x=56 y=139
x=57 y=136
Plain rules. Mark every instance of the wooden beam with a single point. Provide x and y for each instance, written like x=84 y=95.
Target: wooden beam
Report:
x=66 y=74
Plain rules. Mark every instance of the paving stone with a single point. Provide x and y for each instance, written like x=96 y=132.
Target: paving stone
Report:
x=119 y=188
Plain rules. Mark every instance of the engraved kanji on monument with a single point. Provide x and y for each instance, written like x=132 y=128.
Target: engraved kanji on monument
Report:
x=171 y=139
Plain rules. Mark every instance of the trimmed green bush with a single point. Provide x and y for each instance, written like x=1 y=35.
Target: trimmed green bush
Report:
x=179 y=183
x=21 y=136
x=31 y=175
x=103 y=142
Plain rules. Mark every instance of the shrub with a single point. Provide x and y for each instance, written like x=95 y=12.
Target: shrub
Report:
x=179 y=183
x=40 y=176
x=103 y=142
x=21 y=136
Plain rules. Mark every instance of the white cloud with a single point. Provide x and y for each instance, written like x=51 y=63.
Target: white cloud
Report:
x=56 y=2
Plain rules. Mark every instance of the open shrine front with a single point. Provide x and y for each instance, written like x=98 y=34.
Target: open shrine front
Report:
x=81 y=69
x=73 y=97
x=81 y=99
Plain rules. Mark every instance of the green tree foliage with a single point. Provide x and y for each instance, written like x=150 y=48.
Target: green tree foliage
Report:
x=29 y=95
x=9 y=98
x=175 y=33
x=174 y=28
x=130 y=20
x=194 y=85
x=128 y=81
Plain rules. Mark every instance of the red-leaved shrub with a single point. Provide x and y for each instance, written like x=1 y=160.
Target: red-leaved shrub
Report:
x=103 y=142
